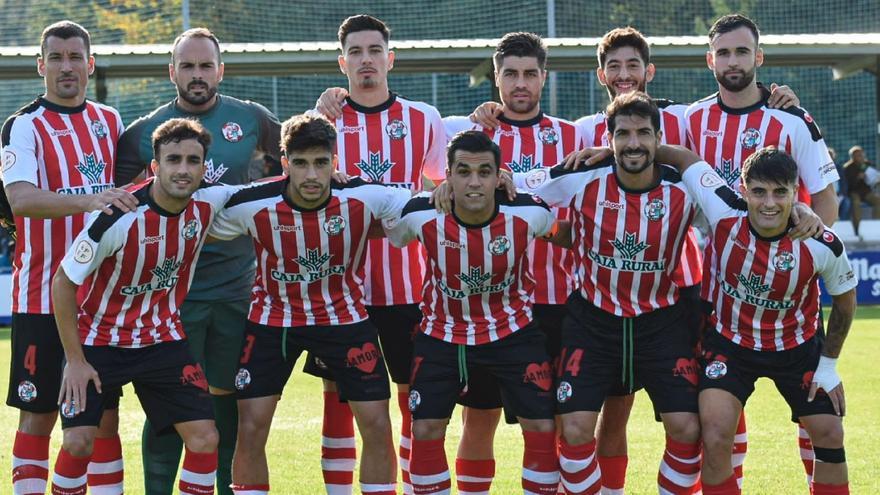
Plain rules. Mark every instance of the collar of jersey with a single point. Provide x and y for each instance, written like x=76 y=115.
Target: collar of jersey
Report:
x=213 y=107
x=155 y=206
x=765 y=94
x=770 y=239
x=54 y=107
x=637 y=191
x=392 y=97
x=478 y=225
x=294 y=206
x=522 y=123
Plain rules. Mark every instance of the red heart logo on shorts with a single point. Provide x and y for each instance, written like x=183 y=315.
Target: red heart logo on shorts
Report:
x=364 y=358
x=687 y=369
x=193 y=374
x=539 y=374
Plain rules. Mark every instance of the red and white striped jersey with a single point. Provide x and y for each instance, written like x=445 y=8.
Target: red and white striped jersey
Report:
x=478 y=286
x=672 y=124
x=593 y=127
x=764 y=291
x=724 y=137
x=134 y=269
x=395 y=143
x=310 y=263
x=527 y=145
x=66 y=150
x=627 y=244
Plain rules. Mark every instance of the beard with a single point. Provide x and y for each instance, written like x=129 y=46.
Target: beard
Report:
x=188 y=96
x=735 y=86
x=625 y=162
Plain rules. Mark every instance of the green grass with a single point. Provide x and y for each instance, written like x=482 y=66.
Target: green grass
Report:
x=772 y=465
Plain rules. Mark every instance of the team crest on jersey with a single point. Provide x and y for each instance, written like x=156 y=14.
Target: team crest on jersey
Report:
x=396 y=129
x=499 y=245
x=92 y=169
x=166 y=279
x=334 y=225
x=212 y=173
x=728 y=172
x=783 y=261
x=655 y=209
x=526 y=163
x=716 y=369
x=83 y=252
x=750 y=138
x=827 y=236
x=191 y=229
x=99 y=129
x=376 y=168
x=563 y=392
x=548 y=135
x=414 y=400
x=8 y=160
x=232 y=132
x=242 y=379
x=536 y=178
x=753 y=284
x=27 y=391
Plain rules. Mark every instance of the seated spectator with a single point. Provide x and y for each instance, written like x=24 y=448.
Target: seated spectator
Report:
x=860 y=177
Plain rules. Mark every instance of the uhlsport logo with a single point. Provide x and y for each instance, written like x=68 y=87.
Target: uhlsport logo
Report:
x=232 y=132
x=526 y=163
x=655 y=209
x=214 y=173
x=499 y=245
x=396 y=129
x=750 y=138
x=548 y=135
x=92 y=169
x=99 y=129
x=784 y=261
x=334 y=225
x=376 y=167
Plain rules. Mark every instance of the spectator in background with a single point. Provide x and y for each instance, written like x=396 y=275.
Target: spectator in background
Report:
x=860 y=179
x=842 y=188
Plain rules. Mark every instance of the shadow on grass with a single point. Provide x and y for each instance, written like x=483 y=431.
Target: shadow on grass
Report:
x=5 y=332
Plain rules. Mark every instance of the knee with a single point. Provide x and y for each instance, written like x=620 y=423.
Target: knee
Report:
x=715 y=441
x=36 y=423
x=686 y=430
x=829 y=436
x=576 y=432
x=480 y=422
x=375 y=425
x=538 y=425
x=204 y=440
x=429 y=429
x=78 y=444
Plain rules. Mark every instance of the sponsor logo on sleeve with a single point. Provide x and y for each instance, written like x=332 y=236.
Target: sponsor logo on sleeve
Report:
x=536 y=178
x=711 y=180
x=84 y=252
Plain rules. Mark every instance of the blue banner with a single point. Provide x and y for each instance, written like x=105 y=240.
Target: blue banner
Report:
x=866 y=265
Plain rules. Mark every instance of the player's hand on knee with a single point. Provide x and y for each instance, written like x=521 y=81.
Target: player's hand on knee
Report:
x=806 y=223
x=329 y=104
x=119 y=198
x=585 y=157
x=826 y=378
x=487 y=115
x=782 y=97
x=74 y=385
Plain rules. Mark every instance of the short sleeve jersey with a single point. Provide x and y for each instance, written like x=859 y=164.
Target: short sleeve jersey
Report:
x=66 y=150
x=239 y=129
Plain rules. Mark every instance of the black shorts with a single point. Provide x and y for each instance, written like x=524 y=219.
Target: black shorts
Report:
x=483 y=390
x=36 y=365
x=592 y=363
x=397 y=326
x=350 y=352
x=518 y=363
x=734 y=368
x=170 y=385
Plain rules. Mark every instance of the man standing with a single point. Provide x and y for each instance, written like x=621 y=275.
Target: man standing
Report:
x=116 y=299
x=311 y=239
x=859 y=190
x=477 y=307
x=58 y=158
x=215 y=310
x=382 y=138
x=766 y=314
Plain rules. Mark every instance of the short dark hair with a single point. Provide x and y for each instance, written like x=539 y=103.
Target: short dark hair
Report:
x=629 y=104
x=473 y=142
x=302 y=132
x=197 y=32
x=65 y=30
x=731 y=22
x=362 y=22
x=619 y=38
x=770 y=164
x=177 y=130
x=520 y=45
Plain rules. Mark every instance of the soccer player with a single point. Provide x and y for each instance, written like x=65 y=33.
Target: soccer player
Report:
x=116 y=300
x=727 y=127
x=626 y=324
x=528 y=139
x=58 y=157
x=382 y=138
x=766 y=312
x=215 y=310
x=477 y=308
x=311 y=240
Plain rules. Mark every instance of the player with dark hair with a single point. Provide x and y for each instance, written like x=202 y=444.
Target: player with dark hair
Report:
x=58 y=157
x=215 y=310
x=385 y=138
x=310 y=236
x=763 y=287
x=477 y=308
x=116 y=300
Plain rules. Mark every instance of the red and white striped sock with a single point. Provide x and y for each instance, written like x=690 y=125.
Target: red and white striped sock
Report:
x=198 y=473
x=428 y=469
x=825 y=489
x=30 y=464
x=474 y=476
x=250 y=489
x=378 y=488
x=105 y=473
x=740 y=446
x=726 y=487
x=405 y=440
x=680 y=468
x=613 y=474
x=540 y=468
x=338 y=454
x=69 y=477
x=580 y=468
x=805 y=449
